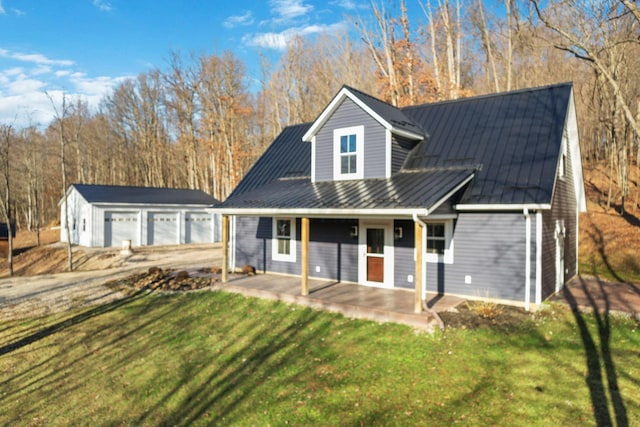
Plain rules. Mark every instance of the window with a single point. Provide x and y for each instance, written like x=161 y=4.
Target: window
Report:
x=439 y=247
x=284 y=239
x=348 y=154
x=348 y=148
x=563 y=160
x=435 y=238
x=84 y=224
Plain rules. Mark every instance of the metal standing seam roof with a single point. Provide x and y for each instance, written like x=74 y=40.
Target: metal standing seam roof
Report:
x=419 y=190
x=513 y=138
x=143 y=195
x=510 y=141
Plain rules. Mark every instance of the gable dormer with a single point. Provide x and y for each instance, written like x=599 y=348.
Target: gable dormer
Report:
x=359 y=137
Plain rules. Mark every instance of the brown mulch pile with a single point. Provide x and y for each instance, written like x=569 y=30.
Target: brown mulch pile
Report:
x=157 y=279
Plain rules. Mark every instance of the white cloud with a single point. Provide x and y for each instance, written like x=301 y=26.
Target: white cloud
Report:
x=239 y=20
x=103 y=5
x=35 y=58
x=23 y=83
x=280 y=40
x=2 y=11
x=286 y=10
x=346 y=4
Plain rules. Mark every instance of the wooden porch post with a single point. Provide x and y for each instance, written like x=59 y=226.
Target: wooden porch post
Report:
x=417 y=307
x=305 y=256
x=225 y=248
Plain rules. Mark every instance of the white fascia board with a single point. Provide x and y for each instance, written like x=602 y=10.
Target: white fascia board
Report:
x=574 y=154
x=337 y=100
x=342 y=213
x=450 y=194
x=407 y=134
x=497 y=207
x=150 y=206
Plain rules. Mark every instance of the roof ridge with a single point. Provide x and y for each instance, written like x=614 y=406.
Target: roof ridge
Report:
x=371 y=96
x=136 y=187
x=489 y=95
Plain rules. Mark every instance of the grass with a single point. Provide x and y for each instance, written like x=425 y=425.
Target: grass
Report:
x=216 y=358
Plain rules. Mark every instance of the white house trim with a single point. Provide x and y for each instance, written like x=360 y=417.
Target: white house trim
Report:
x=335 y=103
x=538 y=257
x=527 y=259
x=504 y=208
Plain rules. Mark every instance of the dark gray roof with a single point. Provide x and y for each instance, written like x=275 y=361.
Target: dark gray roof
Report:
x=143 y=195
x=511 y=140
x=388 y=112
x=402 y=191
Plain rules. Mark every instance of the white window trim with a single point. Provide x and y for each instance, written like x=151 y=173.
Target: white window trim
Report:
x=447 y=257
x=337 y=133
x=275 y=256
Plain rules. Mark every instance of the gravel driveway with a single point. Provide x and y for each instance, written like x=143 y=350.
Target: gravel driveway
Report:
x=37 y=295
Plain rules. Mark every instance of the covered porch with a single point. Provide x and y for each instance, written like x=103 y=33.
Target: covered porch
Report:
x=351 y=300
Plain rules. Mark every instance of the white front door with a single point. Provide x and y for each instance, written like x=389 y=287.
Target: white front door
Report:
x=375 y=241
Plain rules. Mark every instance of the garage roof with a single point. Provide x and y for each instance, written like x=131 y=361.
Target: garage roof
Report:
x=143 y=195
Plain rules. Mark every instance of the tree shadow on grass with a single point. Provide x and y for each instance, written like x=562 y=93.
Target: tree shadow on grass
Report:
x=603 y=386
x=6 y=348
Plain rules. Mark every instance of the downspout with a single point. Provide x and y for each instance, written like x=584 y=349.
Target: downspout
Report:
x=527 y=264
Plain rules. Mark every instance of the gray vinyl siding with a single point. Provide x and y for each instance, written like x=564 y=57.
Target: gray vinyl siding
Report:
x=348 y=114
x=490 y=248
x=405 y=264
x=332 y=250
x=563 y=207
x=400 y=148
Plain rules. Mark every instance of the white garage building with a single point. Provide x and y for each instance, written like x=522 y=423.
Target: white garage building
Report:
x=107 y=215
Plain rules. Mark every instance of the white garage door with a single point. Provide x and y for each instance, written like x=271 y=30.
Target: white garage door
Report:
x=198 y=227
x=162 y=228
x=119 y=226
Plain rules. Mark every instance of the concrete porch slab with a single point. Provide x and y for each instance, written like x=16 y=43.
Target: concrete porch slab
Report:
x=351 y=300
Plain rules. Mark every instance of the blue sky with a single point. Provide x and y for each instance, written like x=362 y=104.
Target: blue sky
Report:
x=85 y=47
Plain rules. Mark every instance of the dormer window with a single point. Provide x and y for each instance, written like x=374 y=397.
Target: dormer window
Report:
x=348 y=153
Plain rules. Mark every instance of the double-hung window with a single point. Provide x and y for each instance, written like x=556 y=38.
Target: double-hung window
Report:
x=348 y=151
x=284 y=239
x=439 y=242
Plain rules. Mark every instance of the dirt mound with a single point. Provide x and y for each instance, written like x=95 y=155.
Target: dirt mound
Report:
x=157 y=279
x=480 y=314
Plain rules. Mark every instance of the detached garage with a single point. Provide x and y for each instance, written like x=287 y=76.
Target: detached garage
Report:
x=107 y=215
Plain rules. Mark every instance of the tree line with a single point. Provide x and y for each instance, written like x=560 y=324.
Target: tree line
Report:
x=198 y=123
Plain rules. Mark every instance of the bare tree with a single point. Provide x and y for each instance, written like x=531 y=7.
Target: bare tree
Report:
x=60 y=119
x=7 y=135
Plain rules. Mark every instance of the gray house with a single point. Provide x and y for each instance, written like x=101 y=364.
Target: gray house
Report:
x=477 y=197
x=107 y=215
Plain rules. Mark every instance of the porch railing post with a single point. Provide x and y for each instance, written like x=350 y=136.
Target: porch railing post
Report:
x=305 y=256
x=225 y=249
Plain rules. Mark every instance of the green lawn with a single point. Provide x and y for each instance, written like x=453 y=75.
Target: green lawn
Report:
x=217 y=358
